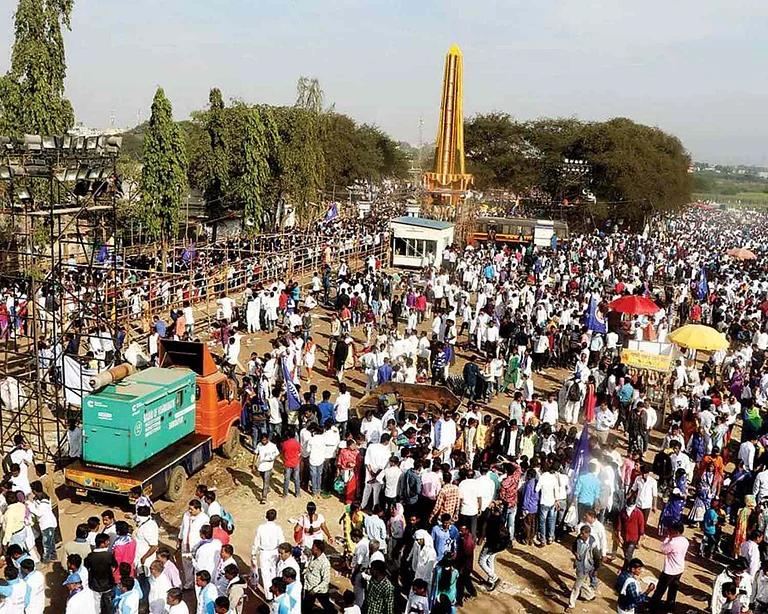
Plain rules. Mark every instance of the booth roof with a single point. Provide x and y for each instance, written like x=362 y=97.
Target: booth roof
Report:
x=422 y=223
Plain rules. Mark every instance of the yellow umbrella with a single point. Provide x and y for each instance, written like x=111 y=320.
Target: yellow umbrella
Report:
x=698 y=337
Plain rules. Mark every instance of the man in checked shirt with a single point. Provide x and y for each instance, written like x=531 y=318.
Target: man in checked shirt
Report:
x=447 y=501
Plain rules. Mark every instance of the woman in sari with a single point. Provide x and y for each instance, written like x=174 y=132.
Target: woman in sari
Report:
x=743 y=523
x=512 y=373
x=353 y=518
x=445 y=582
x=705 y=491
x=5 y=330
x=673 y=508
x=697 y=447
x=736 y=385
x=689 y=424
x=346 y=463
x=718 y=466
x=590 y=400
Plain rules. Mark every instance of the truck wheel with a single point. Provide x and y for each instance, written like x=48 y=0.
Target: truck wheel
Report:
x=176 y=484
x=229 y=447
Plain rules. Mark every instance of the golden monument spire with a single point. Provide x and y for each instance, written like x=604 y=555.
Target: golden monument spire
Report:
x=448 y=183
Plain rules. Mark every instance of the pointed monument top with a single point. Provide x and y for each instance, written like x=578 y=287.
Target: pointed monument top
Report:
x=454 y=50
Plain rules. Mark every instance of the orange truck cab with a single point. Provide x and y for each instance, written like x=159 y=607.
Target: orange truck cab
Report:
x=217 y=421
x=217 y=409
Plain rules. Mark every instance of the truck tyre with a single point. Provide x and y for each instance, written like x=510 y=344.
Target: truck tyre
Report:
x=229 y=447
x=176 y=484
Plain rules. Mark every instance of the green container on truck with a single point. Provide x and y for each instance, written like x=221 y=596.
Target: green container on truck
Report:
x=131 y=420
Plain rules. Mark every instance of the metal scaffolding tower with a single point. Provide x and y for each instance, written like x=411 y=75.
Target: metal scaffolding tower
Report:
x=58 y=324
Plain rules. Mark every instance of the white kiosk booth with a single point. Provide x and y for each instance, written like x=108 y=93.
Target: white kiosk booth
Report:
x=415 y=237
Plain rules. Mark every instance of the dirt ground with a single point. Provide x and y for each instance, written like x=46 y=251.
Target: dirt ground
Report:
x=533 y=580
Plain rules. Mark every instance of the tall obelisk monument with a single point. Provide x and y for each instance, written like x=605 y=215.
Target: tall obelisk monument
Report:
x=448 y=184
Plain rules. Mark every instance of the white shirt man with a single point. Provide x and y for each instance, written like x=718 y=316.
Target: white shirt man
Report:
x=447 y=437
x=646 y=489
x=147 y=535
x=266 y=453
x=469 y=498
x=371 y=428
x=35 y=582
x=547 y=487
x=549 y=412
x=376 y=460
x=343 y=403
x=82 y=602
x=268 y=537
x=159 y=585
x=23 y=457
x=189 y=536
x=747 y=454
x=207 y=555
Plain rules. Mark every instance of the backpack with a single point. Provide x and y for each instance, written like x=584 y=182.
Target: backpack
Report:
x=574 y=394
x=410 y=486
x=7 y=461
x=227 y=521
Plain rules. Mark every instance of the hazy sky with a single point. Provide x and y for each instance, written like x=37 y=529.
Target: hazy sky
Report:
x=694 y=68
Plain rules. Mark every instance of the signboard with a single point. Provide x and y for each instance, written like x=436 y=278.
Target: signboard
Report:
x=645 y=360
x=543 y=232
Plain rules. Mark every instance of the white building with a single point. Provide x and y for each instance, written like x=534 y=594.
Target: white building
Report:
x=415 y=237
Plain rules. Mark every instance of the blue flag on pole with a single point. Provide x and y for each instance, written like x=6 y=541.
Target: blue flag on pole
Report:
x=581 y=455
x=291 y=393
x=103 y=255
x=703 y=285
x=333 y=211
x=595 y=319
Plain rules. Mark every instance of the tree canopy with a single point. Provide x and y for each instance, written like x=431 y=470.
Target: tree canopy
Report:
x=164 y=175
x=32 y=92
x=628 y=162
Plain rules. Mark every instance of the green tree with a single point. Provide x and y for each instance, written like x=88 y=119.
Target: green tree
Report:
x=32 y=92
x=499 y=153
x=310 y=95
x=642 y=166
x=250 y=172
x=164 y=175
x=216 y=159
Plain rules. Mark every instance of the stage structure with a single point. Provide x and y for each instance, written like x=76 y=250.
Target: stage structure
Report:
x=449 y=183
x=58 y=229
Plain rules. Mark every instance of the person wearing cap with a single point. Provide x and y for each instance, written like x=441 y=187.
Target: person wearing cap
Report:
x=81 y=599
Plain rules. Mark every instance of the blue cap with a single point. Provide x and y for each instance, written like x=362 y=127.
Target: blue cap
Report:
x=72 y=579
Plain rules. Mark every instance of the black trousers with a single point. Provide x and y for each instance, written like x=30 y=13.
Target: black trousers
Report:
x=668 y=584
x=465 y=588
x=308 y=603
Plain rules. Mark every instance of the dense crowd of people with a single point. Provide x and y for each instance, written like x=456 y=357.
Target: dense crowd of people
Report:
x=608 y=458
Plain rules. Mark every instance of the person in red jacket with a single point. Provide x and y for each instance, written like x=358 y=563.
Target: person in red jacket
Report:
x=630 y=529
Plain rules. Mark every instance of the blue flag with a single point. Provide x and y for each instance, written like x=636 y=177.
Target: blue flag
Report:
x=554 y=242
x=190 y=252
x=333 y=211
x=595 y=319
x=581 y=455
x=103 y=255
x=703 y=285
x=291 y=393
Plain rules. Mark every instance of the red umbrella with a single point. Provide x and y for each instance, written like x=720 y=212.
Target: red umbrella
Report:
x=636 y=305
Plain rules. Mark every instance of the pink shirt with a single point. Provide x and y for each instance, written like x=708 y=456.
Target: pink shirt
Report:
x=674 y=549
x=430 y=484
